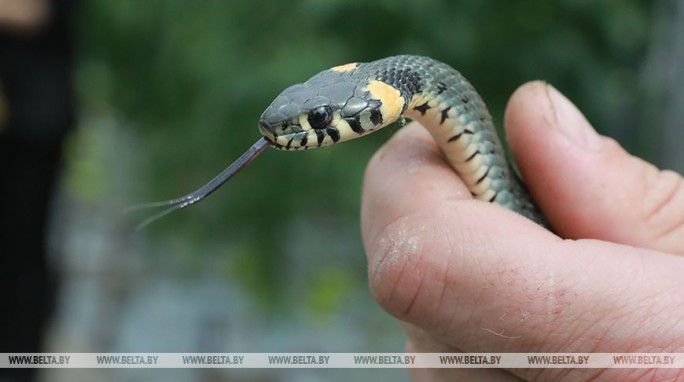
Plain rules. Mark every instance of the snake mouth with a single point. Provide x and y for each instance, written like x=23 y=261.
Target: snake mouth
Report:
x=267 y=131
x=291 y=140
x=275 y=140
x=278 y=141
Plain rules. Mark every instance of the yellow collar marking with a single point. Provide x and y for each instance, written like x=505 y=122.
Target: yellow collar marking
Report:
x=345 y=67
x=392 y=101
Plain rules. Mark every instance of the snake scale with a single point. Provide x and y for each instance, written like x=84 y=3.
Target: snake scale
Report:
x=353 y=100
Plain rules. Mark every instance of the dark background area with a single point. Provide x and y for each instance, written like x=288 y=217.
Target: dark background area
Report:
x=167 y=93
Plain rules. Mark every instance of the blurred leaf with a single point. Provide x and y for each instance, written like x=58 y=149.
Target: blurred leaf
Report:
x=330 y=289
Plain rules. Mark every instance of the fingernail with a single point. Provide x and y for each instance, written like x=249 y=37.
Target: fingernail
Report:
x=570 y=122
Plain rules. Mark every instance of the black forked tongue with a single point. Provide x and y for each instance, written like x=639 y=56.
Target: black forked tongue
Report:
x=205 y=190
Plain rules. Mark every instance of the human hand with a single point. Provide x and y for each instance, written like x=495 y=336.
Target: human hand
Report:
x=467 y=276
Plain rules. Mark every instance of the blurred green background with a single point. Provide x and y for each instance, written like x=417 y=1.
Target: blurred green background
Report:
x=170 y=93
x=188 y=81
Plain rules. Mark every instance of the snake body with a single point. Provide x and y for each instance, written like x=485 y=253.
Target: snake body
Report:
x=350 y=101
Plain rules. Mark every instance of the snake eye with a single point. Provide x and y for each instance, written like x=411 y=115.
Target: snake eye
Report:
x=320 y=117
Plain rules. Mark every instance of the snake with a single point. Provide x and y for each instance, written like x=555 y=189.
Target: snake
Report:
x=353 y=100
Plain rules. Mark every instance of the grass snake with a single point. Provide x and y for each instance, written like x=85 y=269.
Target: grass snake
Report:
x=353 y=100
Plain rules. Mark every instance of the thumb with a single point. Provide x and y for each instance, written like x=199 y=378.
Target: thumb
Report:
x=586 y=184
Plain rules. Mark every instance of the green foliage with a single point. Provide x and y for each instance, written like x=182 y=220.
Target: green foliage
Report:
x=191 y=78
x=330 y=290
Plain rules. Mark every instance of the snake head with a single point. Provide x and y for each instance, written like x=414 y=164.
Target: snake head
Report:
x=330 y=107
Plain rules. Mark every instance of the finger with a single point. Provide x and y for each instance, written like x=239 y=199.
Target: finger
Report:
x=421 y=159
x=586 y=184
x=482 y=279
x=421 y=341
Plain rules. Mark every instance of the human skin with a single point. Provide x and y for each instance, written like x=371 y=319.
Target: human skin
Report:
x=463 y=275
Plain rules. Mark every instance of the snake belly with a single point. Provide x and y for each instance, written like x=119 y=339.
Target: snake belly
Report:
x=352 y=100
